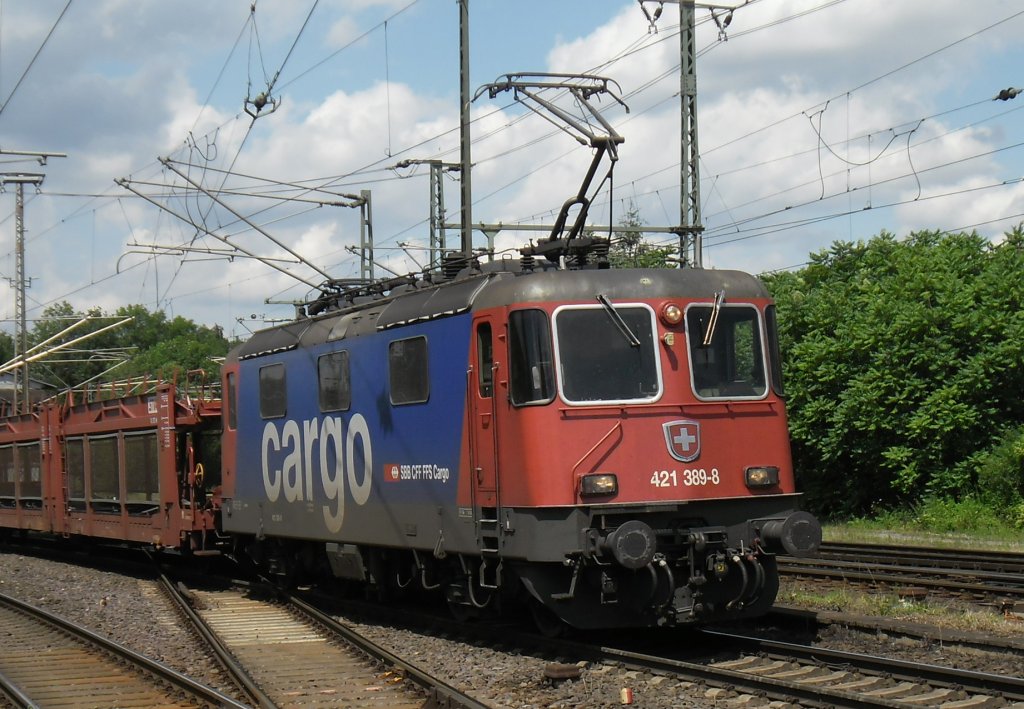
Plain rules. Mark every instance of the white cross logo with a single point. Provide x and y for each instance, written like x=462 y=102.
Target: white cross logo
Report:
x=685 y=439
x=682 y=439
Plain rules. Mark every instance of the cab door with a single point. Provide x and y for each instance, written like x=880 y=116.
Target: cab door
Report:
x=483 y=426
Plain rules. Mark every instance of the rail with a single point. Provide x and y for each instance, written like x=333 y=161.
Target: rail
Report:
x=148 y=669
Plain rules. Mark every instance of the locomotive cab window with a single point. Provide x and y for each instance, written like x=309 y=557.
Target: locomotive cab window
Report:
x=485 y=360
x=273 y=399
x=531 y=373
x=607 y=353
x=731 y=365
x=334 y=381
x=408 y=371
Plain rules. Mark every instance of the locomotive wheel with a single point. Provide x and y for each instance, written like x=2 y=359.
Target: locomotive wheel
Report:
x=462 y=612
x=548 y=624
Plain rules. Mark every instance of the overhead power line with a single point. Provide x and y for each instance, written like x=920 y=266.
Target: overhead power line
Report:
x=34 y=57
x=336 y=180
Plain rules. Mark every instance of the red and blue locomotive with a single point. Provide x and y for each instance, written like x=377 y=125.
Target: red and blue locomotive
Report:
x=609 y=445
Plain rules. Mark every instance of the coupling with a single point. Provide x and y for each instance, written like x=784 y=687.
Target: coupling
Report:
x=632 y=544
x=799 y=534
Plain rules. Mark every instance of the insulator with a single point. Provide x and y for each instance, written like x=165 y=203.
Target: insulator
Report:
x=452 y=264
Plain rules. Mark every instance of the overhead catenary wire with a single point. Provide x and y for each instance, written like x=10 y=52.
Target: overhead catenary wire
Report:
x=777 y=227
x=252 y=123
x=734 y=35
x=35 y=56
x=371 y=166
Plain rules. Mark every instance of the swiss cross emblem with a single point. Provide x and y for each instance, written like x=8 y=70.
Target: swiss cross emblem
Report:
x=683 y=439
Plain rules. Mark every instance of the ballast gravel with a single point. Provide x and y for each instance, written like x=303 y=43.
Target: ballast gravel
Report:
x=134 y=612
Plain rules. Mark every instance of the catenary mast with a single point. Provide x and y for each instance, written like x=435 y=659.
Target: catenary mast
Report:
x=22 y=393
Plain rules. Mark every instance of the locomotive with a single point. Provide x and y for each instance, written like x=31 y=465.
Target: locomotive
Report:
x=608 y=446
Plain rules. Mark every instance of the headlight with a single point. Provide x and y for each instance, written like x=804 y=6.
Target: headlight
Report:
x=762 y=476
x=671 y=314
x=599 y=484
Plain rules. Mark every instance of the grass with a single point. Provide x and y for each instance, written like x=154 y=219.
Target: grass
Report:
x=892 y=606
x=870 y=532
x=935 y=522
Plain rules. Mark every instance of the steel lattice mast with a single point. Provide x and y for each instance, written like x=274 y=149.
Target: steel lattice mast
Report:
x=464 y=98
x=690 y=229
x=21 y=401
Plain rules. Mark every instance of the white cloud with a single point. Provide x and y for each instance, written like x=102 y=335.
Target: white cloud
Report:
x=115 y=105
x=343 y=31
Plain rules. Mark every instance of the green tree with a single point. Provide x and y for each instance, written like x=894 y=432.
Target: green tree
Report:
x=153 y=344
x=6 y=347
x=903 y=364
x=200 y=349
x=72 y=364
x=629 y=248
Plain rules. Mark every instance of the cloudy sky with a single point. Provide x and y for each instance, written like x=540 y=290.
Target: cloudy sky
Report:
x=819 y=120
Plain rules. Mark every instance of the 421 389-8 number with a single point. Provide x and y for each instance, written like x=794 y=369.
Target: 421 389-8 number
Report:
x=689 y=477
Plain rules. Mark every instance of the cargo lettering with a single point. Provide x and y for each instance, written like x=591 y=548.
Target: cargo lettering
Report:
x=292 y=452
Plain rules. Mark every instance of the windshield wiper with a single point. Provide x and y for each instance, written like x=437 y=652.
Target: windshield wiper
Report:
x=713 y=320
x=632 y=339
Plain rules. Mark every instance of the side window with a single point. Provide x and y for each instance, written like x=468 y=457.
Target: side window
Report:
x=273 y=402
x=335 y=383
x=141 y=468
x=7 y=471
x=74 y=455
x=29 y=464
x=408 y=372
x=104 y=469
x=485 y=360
x=774 y=352
x=232 y=402
x=529 y=356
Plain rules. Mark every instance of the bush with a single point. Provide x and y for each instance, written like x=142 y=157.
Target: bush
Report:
x=1001 y=473
x=1016 y=515
x=901 y=361
x=944 y=515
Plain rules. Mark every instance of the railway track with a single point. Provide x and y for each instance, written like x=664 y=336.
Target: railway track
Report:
x=980 y=560
x=285 y=652
x=984 y=576
x=745 y=668
x=811 y=621
x=47 y=661
x=866 y=679
x=738 y=669
x=729 y=668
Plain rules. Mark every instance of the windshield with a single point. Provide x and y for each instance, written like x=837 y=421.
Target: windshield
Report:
x=731 y=366
x=599 y=361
